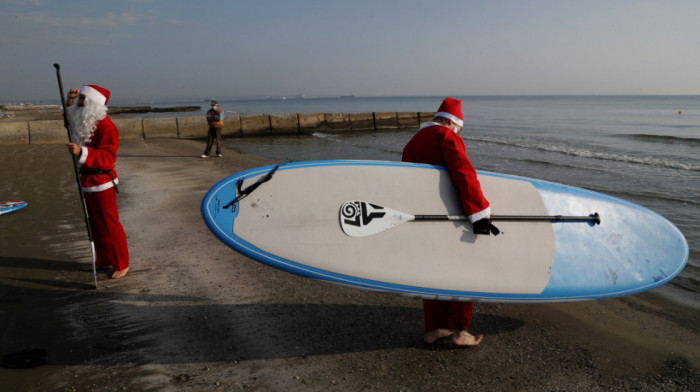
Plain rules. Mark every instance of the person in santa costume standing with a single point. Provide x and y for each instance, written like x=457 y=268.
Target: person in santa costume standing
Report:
x=437 y=142
x=96 y=140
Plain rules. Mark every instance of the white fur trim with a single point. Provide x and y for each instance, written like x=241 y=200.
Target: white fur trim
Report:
x=480 y=215
x=93 y=94
x=451 y=117
x=83 y=155
x=428 y=124
x=100 y=188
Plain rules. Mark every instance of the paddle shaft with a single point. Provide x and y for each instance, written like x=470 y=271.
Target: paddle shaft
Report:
x=66 y=123
x=513 y=218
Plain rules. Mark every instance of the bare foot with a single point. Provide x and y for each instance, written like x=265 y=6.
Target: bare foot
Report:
x=120 y=274
x=432 y=336
x=464 y=338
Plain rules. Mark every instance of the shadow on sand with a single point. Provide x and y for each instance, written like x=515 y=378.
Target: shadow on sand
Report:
x=78 y=325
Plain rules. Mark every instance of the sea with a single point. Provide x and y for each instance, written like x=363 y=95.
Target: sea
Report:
x=645 y=149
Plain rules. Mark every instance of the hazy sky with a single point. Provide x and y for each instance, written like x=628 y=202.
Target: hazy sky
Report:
x=154 y=49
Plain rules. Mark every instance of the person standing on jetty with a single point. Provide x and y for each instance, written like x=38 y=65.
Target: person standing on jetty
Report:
x=215 y=119
x=438 y=143
x=96 y=142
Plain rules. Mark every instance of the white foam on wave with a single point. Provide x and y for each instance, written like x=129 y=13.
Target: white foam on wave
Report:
x=579 y=151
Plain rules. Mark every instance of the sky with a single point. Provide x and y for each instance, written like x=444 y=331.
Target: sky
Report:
x=170 y=49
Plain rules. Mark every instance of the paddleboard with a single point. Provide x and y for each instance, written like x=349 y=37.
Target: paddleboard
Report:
x=295 y=217
x=9 y=206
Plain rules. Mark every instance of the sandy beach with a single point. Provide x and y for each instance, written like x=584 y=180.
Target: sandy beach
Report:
x=194 y=315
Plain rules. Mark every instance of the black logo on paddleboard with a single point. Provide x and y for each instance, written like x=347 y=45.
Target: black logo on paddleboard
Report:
x=359 y=213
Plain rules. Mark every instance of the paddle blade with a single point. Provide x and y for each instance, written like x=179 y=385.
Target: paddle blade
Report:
x=361 y=219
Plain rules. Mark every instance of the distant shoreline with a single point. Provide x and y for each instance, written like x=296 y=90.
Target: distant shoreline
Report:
x=53 y=112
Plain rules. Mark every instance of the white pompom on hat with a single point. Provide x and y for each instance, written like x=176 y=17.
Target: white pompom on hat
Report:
x=451 y=109
x=96 y=93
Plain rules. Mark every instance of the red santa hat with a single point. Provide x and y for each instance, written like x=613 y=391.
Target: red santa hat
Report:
x=96 y=93
x=451 y=109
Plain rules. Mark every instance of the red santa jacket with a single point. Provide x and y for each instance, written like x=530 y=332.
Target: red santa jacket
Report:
x=438 y=145
x=97 y=158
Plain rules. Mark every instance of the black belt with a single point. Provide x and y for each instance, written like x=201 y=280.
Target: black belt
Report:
x=89 y=172
x=94 y=172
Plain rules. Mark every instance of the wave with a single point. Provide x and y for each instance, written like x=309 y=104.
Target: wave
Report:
x=539 y=162
x=582 y=152
x=650 y=196
x=686 y=280
x=691 y=141
x=361 y=145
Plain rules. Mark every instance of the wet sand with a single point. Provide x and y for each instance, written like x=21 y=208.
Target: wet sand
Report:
x=194 y=315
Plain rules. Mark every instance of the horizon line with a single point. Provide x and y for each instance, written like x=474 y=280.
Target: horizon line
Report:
x=348 y=96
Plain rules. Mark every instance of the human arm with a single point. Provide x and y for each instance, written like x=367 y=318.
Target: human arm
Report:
x=214 y=115
x=463 y=176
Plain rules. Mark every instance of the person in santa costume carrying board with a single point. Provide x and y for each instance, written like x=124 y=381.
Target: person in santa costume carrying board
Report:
x=438 y=143
x=96 y=140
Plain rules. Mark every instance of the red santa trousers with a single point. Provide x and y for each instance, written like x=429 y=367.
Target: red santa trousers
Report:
x=107 y=232
x=446 y=314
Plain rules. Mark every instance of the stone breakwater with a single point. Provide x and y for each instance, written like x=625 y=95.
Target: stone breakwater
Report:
x=52 y=131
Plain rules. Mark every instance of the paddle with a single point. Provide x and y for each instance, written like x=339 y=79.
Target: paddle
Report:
x=243 y=193
x=66 y=123
x=362 y=219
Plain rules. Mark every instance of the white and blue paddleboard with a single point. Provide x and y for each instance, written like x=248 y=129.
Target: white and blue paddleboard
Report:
x=10 y=206
x=359 y=224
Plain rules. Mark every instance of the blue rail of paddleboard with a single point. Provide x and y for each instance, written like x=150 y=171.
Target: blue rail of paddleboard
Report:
x=13 y=208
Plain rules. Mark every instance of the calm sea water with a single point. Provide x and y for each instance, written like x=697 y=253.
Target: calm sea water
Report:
x=645 y=149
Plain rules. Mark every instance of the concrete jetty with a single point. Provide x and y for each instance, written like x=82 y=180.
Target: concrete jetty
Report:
x=52 y=131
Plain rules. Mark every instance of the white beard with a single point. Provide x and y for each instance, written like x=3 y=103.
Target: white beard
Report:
x=83 y=120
